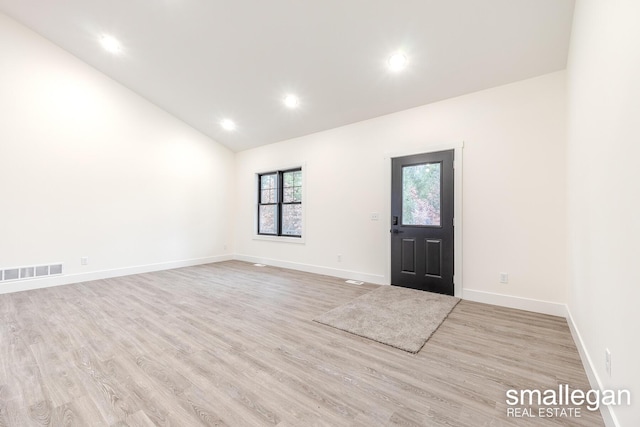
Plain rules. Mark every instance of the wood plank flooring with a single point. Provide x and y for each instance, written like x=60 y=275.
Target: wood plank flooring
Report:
x=230 y=344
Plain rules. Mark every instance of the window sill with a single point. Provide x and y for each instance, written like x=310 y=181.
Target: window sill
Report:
x=281 y=239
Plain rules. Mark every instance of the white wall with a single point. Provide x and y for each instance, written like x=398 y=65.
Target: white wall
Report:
x=604 y=191
x=89 y=168
x=513 y=198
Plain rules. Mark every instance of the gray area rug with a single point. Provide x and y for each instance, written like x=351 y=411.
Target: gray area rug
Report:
x=399 y=317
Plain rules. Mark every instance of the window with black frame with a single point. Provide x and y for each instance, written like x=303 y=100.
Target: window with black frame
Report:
x=280 y=203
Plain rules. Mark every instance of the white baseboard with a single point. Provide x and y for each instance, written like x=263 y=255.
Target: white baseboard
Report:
x=316 y=269
x=608 y=416
x=65 y=279
x=539 y=306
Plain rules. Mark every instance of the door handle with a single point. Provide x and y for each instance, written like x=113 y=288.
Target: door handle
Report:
x=396 y=231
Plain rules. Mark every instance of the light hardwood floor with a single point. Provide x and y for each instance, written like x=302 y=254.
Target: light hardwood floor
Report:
x=233 y=344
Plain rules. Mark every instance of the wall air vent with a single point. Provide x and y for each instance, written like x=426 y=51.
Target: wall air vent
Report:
x=30 y=272
x=11 y=274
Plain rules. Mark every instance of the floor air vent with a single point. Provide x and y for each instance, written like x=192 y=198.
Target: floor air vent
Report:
x=31 y=272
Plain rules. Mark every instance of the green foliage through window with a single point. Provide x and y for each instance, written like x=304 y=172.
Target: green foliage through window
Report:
x=280 y=203
x=421 y=194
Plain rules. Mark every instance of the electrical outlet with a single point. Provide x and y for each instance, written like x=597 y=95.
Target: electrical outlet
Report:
x=339 y=257
x=84 y=260
x=607 y=361
x=504 y=277
x=375 y=216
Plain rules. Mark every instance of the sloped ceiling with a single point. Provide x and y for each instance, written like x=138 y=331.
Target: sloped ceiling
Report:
x=204 y=61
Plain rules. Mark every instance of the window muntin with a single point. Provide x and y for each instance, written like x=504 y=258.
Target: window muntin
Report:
x=269 y=188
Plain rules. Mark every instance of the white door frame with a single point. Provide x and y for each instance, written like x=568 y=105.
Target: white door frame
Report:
x=457 y=207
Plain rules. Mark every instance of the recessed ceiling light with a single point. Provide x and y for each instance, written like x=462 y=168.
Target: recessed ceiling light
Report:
x=110 y=43
x=291 y=101
x=228 y=124
x=397 y=61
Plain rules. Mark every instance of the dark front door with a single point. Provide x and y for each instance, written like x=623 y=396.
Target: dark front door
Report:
x=422 y=222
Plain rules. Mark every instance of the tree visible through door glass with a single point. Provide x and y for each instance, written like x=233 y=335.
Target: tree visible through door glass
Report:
x=421 y=194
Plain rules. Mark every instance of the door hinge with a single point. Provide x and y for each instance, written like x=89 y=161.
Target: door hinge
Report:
x=453 y=222
x=453 y=164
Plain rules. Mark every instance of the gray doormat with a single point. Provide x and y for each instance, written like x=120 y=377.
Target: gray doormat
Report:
x=399 y=317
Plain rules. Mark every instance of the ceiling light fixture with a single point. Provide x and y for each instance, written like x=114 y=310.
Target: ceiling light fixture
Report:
x=291 y=101
x=397 y=61
x=228 y=124
x=111 y=44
